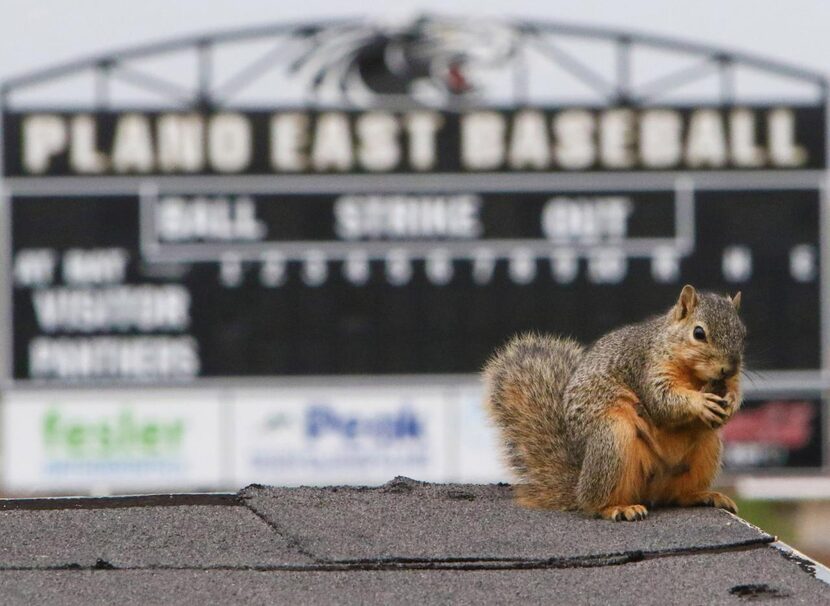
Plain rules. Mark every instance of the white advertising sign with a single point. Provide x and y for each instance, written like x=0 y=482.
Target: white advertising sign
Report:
x=348 y=435
x=111 y=441
x=479 y=450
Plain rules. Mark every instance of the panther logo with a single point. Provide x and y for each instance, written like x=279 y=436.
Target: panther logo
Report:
x=429 y=63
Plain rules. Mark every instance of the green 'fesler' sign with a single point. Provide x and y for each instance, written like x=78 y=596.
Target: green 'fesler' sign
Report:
x=110 y=435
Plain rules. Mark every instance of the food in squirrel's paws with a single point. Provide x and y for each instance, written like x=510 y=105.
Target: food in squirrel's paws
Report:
x=717 y=387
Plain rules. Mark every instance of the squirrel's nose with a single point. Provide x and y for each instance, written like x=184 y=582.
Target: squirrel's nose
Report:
x=730 y=370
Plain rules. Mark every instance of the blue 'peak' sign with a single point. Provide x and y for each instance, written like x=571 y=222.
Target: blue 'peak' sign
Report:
x=401 y=424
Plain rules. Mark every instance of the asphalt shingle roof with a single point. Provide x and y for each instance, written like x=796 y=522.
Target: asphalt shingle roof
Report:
x=404 y=542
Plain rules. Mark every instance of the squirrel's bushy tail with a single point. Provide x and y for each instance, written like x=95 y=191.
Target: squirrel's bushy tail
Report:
x=525 y=381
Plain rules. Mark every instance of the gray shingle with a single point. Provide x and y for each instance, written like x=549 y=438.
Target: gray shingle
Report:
x=183 y=536
x=697 y=579
x=411 y=520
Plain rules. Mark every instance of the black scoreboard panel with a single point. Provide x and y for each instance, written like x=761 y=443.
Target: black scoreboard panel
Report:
x=171 y=286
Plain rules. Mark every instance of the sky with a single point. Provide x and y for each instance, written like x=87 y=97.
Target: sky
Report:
x=39 y=34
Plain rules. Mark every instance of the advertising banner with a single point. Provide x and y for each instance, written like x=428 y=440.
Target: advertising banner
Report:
x=775 y=433
x=110 y=441
x=337 y=436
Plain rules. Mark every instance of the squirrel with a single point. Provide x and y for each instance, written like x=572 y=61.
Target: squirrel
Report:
x=630 y=422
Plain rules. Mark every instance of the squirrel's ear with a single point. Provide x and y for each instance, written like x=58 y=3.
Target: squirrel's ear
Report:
x=686 y=303
x=736 y=301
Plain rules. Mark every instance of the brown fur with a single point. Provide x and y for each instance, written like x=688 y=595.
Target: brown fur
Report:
x=525 y=380
x=628 y=423
x=681 y=375
x=664 y=465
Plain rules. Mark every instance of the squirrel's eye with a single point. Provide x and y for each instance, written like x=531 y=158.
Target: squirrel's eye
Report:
x=699 y=334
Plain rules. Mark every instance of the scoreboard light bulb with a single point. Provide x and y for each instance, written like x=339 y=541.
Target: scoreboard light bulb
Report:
x=356 y=268
x=736 y=264
x=398 y=267
x=522 y=266
x=665 y=265
x=439 y=267
x=607 y=266
x=230 y=271
x=273 y=271
x=484 y=265
x=803 y=266
x=315 y=270
x=565 y=266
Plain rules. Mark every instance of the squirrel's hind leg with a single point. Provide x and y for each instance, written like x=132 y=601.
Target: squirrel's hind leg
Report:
x=617 y=466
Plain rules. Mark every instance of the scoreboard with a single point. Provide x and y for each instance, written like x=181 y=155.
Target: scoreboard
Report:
x=171 y=286
x=315 y=286
x=421 y=267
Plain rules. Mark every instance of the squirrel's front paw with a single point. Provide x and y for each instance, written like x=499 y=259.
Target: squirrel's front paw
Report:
x=624 y=513
x=732 y=404
x=710 y=498
x=714 y=410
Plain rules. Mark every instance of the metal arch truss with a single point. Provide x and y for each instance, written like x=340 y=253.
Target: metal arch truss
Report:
x=352 y=63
